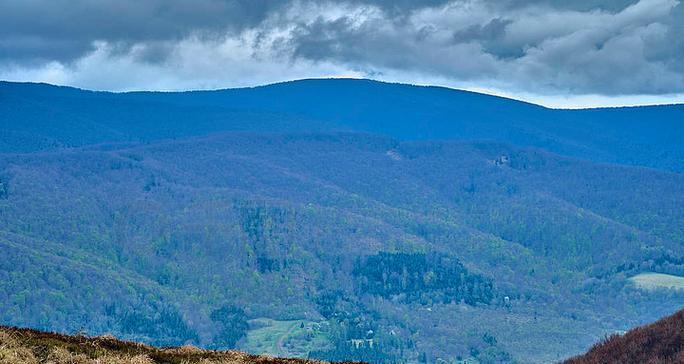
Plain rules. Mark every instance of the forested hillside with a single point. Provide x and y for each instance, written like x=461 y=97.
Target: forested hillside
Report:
x=210 y=219
x=53 y=117
x=659 y=342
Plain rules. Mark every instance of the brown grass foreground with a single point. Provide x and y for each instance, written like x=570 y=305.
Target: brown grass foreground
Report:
x=25 y=346
x=661 y=342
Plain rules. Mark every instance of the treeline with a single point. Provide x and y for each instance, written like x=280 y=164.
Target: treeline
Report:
x=423 y=278
x=265 y=228
x=4 y=190
x=357 y=336
x=164 y=325
x=156 y=323
x=351 y=351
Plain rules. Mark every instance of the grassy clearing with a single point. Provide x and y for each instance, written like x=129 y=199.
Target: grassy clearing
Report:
x=293 y=338
x=657 y=280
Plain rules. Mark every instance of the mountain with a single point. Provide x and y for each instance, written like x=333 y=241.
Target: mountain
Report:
x=24 y=346
x=59 y=116
x=243 y=219
x=660 y=342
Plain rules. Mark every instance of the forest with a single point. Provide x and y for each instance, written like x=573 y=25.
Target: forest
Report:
x=240 y=219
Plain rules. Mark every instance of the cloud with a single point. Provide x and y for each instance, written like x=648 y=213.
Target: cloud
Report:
x=542 y=47
x=192 y=63
x=40 y=28
x=601 y=52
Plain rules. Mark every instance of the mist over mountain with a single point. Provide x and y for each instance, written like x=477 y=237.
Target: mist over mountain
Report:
x=338 y=219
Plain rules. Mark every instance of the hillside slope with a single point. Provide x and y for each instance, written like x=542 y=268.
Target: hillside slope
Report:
x=149 y=240
x=39 y=117
x=661 y=342
x=24 y=346
x=337 y=219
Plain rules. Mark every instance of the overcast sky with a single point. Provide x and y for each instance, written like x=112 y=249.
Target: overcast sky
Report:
x=554 y=52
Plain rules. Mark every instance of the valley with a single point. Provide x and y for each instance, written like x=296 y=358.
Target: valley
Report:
x=218 y=221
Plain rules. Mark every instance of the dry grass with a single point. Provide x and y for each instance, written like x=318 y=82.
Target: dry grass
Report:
x=659 y=343
x=12 y=352
x=24 y=346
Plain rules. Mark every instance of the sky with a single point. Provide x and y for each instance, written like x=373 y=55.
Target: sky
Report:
x=558 y=53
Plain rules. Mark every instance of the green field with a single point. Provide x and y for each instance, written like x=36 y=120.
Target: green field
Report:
x=293 y=338
x=657 y=280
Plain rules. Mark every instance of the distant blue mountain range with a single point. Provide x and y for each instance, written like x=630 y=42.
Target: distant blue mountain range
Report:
x=42 y=117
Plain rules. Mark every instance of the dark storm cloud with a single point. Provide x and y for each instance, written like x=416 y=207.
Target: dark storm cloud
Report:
x=633 y=48
x=671 y=51
x=610 y=47
x=491 y=36
x=65 y=29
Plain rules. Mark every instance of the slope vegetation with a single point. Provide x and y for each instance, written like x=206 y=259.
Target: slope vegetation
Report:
x=39 y=117
x=23 y=346
x=379 y=222
x=149 y=240
x=659 y=343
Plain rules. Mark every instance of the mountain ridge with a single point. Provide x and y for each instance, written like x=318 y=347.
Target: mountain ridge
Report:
x=305 y=80
x=272 y=85
x=68 y=117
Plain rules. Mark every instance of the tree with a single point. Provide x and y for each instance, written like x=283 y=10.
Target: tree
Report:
x=232 y=323
x=3 y=190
